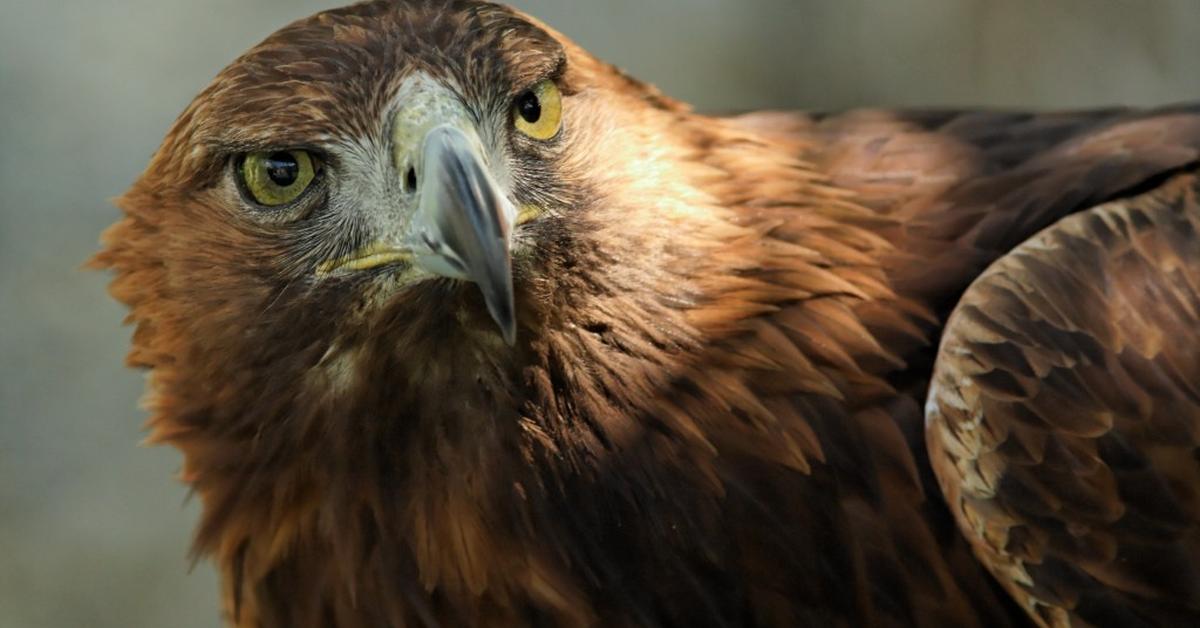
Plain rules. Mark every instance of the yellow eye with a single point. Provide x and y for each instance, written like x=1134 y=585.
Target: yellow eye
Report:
x=537 y=112
x=277 y=177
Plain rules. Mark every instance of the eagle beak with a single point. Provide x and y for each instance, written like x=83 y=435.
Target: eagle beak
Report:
x=463 y=222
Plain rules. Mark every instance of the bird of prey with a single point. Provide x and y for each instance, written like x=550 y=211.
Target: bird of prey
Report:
x=457 y=325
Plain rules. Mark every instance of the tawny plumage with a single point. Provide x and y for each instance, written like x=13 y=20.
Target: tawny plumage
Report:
x=457 y=325
x=1065 y=415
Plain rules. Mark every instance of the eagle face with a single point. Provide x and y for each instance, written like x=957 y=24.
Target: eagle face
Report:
x=409 y=191
x=382 y=161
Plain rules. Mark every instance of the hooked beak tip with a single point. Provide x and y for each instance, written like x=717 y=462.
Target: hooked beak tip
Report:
x=509 y=332
x=497 y=291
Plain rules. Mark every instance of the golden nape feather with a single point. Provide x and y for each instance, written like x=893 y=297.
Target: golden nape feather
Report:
x=457 y=325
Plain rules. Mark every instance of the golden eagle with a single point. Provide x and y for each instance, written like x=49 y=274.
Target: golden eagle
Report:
x=457 y=325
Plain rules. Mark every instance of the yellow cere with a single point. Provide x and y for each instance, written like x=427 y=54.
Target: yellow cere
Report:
x=545 y=124
x=365 y=258
x=277 y=177
x=527 y=212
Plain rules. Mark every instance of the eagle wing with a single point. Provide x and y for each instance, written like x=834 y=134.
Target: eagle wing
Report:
x=1064 y=415
x=954 y=191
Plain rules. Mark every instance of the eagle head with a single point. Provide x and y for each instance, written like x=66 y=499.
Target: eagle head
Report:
x=402 y=262
x=402 y=206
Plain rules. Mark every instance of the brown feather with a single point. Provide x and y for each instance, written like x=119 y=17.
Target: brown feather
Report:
x=725 y=326
x=1065 y=417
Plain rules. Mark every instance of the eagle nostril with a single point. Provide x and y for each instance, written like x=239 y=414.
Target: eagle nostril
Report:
x=410 y=180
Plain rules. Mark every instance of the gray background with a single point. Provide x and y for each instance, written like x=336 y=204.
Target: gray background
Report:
x=93 y=529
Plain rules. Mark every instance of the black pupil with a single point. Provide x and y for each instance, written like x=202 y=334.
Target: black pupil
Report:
x=282 y=168
x=529 y=107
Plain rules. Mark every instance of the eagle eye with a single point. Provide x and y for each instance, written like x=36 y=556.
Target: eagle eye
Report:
x=537 y=112
x=278 y=177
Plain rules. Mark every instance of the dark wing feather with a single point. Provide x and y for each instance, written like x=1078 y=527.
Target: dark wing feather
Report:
x=1064 y=418
x=955 y=190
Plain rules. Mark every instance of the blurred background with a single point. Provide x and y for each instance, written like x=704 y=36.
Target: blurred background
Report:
x=94 y=530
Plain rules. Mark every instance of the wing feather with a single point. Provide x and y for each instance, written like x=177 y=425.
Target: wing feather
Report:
x=1063 y=422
